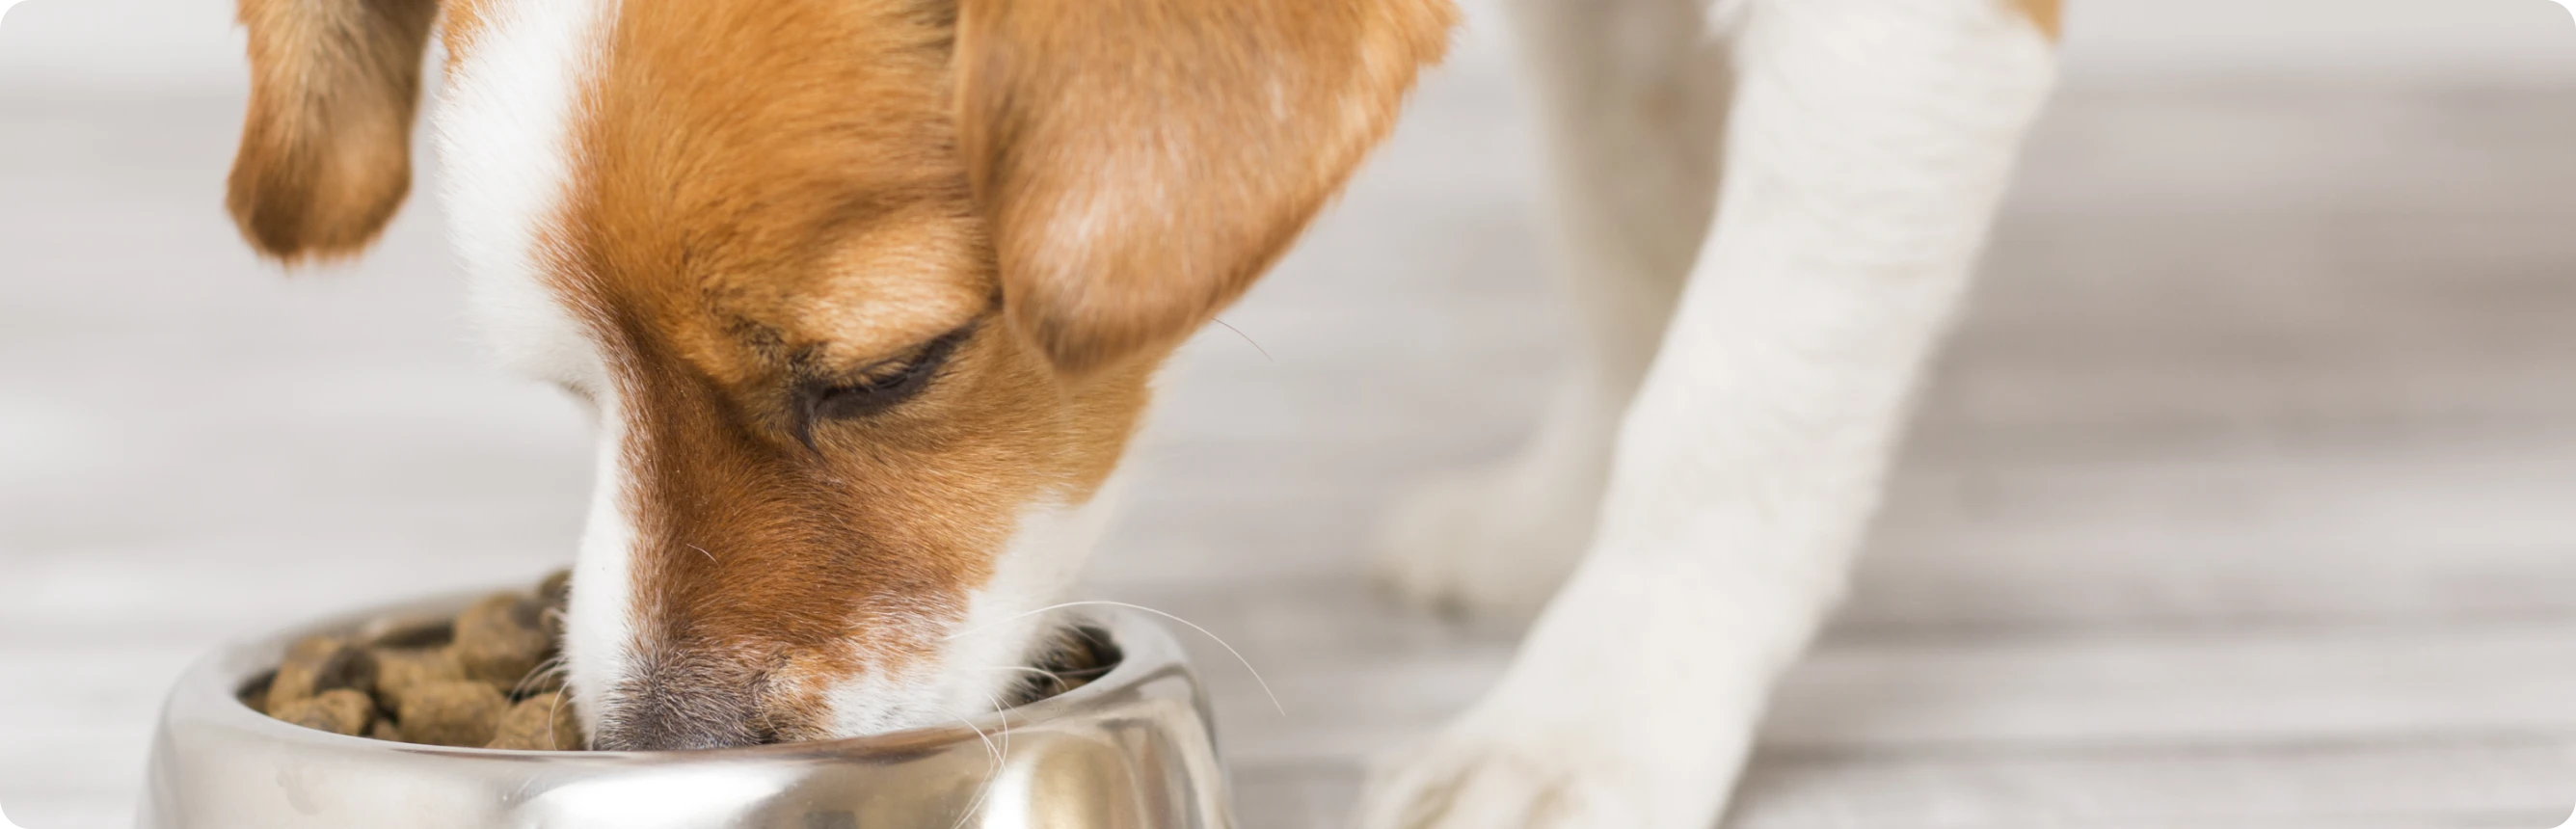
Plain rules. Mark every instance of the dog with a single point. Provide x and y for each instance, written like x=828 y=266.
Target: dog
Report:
x=865 y=296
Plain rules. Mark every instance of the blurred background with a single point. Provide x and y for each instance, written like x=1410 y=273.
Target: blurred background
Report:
x=2246 y=495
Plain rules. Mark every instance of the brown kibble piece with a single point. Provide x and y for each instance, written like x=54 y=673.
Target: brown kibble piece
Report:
x=539 y=723
x=318 y=664
x=1078 y=658
x=539 y=683
x=339 y=711
x=415 y=632
x=293 y=680
x=501 y=638
x=555 y=594
x=463 y=713
x=386 y=730
x=398 y=670
x=313 y=647
x=556 y=588
x=553 y=600
x=255 y=694
x=350 y=667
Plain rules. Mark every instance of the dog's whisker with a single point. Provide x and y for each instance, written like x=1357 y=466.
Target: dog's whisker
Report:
x=1004 y=713
x=552 y=666
x=1219 y=640
x=989 y=747
x=1265 y=353
x=990 y=774
x=986 y=792
x=554 y=711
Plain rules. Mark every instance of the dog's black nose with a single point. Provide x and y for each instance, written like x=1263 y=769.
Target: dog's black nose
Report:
x=672 y=707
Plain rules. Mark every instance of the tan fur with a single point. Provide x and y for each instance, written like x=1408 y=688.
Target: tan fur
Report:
x=2042 y=13
x=461 y=23
x=1142 y=161
x=325 y=151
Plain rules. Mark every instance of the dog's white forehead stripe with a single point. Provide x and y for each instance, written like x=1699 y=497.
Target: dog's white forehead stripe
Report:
x=505 y=138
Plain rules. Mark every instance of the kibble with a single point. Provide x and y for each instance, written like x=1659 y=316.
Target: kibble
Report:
x=541 y=723
x=556 y=591
x=318 y=664
x=339 y=711
x=502 y=638
x=555 y=596
x=435 y=680
x=458 y=713
x=411 y=632
x=489 y=678
x=1076 y=658
x=400 y=669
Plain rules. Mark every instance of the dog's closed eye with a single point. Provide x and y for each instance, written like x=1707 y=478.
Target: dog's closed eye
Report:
x=876 y=387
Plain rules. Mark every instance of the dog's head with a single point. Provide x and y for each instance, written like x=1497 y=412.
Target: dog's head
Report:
x=865 y=293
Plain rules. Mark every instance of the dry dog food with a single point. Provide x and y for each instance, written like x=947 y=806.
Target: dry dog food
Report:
x=490 y=677
x=485 y=678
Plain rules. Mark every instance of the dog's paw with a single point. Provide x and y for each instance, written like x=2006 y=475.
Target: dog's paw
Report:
x=1490 y=544
x=1470 y=778
x=1601 y=723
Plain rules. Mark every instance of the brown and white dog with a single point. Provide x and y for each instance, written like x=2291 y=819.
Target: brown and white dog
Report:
x=866 y=295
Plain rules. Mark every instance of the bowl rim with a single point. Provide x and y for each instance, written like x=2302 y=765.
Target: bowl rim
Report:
x=209 y=691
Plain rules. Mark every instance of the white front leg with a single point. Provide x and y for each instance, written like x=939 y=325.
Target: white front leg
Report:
x=1869 y=145
x=1632 y=96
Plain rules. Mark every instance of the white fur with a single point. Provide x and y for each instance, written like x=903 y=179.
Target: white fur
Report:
x=504 y=130
x=1868 y=145
x=504 y=136
x=982 y=654
x=600 y=619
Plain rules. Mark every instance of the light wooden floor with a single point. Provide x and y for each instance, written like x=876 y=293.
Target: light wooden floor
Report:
x=2246 y=497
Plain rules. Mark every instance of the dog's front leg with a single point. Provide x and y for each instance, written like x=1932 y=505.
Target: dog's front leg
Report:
x=1869 y=144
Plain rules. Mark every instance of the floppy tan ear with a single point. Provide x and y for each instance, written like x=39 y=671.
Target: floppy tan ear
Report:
x=326 y=147
x=1142 y=161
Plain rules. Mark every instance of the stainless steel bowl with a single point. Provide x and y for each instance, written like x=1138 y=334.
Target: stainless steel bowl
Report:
x=1131 y=750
